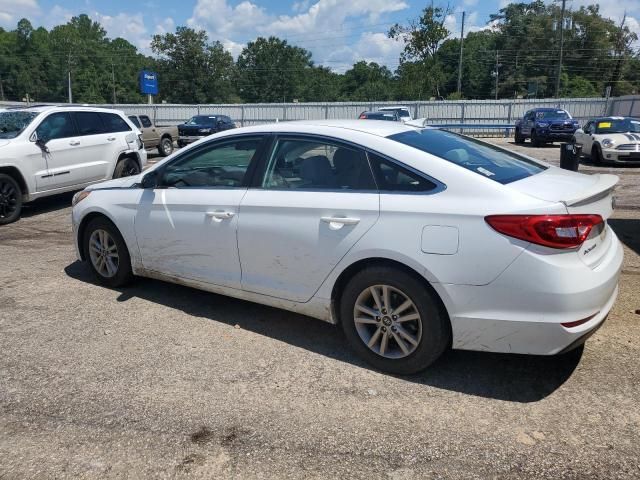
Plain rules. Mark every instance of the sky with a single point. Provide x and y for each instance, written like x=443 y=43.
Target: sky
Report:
x=337 y=32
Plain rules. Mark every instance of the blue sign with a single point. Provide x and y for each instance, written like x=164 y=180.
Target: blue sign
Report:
x=148 y=82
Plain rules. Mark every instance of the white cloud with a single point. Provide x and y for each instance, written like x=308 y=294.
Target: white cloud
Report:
x=11 y=11
x=129 y=26
x=325 y=27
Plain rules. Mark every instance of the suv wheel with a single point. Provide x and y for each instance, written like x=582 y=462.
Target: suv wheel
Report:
x=535 y=140
x=166 y=147
x=518 y=137
x=107 y=253
x=10 y=199
x=126 y=167
x=392 y=321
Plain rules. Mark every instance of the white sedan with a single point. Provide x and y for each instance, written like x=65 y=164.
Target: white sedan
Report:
x=611 y=139
x=414 y=240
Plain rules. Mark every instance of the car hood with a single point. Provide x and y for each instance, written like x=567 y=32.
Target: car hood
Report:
x=619 y=138
x=124 y=182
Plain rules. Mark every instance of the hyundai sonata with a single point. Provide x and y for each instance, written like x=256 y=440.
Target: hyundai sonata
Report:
x=414 y=240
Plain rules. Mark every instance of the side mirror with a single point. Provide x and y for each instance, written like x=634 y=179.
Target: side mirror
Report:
x=42 y=143
x=150 y=180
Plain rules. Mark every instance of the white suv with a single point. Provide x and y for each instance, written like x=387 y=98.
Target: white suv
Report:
x=54 y=149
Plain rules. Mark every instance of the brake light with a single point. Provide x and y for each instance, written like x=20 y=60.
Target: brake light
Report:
x=555 y=231
x=362 y=116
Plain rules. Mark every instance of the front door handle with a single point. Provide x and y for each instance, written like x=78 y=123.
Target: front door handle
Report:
x=74 y=143
x=336 y=223
x=220 y=214
x=111 y=139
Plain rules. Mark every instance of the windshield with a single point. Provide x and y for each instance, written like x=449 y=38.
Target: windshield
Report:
x=402 y=112
x=484 y=159
x=552 y=115
x=12 y=123
x=202 y=120
x=618 y=125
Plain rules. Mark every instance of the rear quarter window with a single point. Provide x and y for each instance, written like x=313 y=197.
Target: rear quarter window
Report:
x=484 y=159
x=114 y=123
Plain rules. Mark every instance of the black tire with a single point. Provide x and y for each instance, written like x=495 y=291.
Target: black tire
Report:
x=518 y=137
x=596 y=155
x=535 y=140
x=10 y=199
x=435 y=332
x=123 y=273
x=126 y=167
x=165 y=148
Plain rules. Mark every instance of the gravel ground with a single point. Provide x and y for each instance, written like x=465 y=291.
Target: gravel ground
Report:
x=164 y=381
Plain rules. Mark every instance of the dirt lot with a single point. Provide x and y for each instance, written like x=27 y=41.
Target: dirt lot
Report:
x=164 y=381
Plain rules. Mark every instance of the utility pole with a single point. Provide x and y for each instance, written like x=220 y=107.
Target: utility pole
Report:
x=497 y=72
x=113 y=82
x=564 y=2
x=1 y=90
x=460 y=60
x=69 y=81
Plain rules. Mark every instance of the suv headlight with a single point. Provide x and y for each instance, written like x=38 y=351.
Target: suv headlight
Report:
x=140 y=142
x=78 y=197
x=607 y=143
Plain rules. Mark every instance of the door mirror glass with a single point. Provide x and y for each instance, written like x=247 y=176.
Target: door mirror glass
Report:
x=150 y=180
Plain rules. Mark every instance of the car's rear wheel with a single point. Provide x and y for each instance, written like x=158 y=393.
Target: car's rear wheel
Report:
x=519 y=138
x=10 y=199
x=392 y=320
x=126 y=167
x=166 y=147
x=107 y=253
x=596 y=155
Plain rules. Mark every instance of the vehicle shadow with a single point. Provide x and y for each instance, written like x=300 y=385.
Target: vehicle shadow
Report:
x=627 y=231
x=515 y=378
x=47 y=204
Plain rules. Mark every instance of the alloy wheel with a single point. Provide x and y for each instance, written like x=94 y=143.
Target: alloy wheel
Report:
x=387 y=321
x=8 y=200
x=104 y=253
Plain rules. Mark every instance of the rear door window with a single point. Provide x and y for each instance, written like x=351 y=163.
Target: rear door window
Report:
x=391 y=177
x=114 y=123
x=146 y=122
x=484 y=159
x=88 y=123
x=134 y=120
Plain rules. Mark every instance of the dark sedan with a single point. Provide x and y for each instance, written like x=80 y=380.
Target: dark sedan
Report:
x=200 y=126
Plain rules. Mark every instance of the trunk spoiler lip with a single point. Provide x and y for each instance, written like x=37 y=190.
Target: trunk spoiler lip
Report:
x=605 y=184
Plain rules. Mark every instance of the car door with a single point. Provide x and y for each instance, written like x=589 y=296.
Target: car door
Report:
x=528 y=122
x=150 y=136
x=315 y=200
x=99 y=147
x=60 y=161
x=587 y=137
x=186 y=226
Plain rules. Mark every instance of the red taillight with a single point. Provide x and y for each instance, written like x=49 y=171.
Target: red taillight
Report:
x=578 y=322
x=555 y=231
x=362 y=117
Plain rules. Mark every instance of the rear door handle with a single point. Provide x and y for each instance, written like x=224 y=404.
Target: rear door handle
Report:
x=111 y=139
x=74 y=143
x=220 y=215
x=336 y=223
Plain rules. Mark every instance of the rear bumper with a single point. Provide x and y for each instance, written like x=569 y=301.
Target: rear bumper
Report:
x=523 y=310
x=186 y=139
x=552 y=136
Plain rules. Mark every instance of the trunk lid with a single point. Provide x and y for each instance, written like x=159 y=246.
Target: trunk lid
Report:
x=581 y=194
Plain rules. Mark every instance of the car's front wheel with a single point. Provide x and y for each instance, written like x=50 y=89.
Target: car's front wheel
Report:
x=393 y=321
x=535 y=139
x=596 y=155
x=107 y=253
x=10 y=199
x=519 y=138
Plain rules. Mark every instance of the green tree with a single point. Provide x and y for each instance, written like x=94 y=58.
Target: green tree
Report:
x=191 y=69
x=271 y=70
x=368 y=82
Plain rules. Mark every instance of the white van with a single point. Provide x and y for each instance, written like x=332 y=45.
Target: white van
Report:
x=47 y=150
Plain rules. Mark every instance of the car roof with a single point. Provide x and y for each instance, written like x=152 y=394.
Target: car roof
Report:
x=63 y=108
x=548 y=109
x=380 y=129
x=393 y=107
x=599 y=119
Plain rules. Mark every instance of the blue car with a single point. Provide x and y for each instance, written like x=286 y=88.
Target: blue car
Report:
x=545 y=125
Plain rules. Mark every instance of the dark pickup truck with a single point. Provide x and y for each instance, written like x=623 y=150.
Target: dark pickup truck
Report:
x=545 y=125
x=201 y=126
